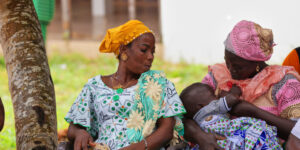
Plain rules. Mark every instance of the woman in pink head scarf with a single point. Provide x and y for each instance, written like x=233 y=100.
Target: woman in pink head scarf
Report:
x=271 y=92
x=273 y=88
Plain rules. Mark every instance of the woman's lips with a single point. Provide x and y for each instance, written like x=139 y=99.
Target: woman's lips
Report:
x=148 y=66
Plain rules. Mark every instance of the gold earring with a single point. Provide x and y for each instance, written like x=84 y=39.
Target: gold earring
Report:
x=124 y=57
x=257 y=68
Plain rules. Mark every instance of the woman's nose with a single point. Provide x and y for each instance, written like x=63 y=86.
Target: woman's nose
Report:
x=150 y=56
x=231 y=69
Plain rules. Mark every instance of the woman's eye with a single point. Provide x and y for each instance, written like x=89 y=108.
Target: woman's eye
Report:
x=143 y=50
x=236 y=68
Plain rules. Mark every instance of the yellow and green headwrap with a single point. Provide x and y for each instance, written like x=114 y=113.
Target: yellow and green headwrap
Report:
x=123 y=34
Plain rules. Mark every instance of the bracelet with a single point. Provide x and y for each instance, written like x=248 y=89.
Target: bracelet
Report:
x=225 y=103
x=146 y=144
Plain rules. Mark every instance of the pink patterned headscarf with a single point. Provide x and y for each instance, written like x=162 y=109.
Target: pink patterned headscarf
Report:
x=250 y=41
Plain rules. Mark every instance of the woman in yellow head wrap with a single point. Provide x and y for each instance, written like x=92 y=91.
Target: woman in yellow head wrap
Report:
x=130 y=109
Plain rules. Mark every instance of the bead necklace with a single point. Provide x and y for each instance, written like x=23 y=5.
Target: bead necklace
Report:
x=118 y=86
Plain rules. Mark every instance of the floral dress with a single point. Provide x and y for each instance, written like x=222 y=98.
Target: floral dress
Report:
x=105 y=112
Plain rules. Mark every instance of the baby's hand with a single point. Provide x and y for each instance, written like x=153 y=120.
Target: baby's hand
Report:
x=231 y=100
x=236 y=91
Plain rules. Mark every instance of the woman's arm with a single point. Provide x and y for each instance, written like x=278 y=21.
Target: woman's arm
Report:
x=158 y=138
x=293 y=143
x=194 y=134
x=284 y=126
x=80 y=137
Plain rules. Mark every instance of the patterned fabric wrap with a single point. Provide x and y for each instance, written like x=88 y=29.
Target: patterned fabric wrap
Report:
x=123 y=34
x=148 y=101
x=243 y=133
x=249 y=41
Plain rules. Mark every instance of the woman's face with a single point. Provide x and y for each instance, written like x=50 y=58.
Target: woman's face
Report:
x=141 y=53
x=240 y=68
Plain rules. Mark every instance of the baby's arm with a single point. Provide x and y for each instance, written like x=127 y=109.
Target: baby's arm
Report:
x=213 y=108
x=232 y=98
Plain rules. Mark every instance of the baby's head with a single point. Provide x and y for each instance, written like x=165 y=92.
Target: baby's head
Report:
x=196 y=96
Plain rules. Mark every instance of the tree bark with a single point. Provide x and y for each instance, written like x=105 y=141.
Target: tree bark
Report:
x=30 y=83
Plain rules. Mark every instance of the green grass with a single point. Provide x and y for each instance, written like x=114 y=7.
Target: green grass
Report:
x=70 y=72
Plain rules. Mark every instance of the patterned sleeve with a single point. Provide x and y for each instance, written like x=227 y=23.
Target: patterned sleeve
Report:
x=209 y=79
x=286 y=94
x=82 y=111
x=172 y=105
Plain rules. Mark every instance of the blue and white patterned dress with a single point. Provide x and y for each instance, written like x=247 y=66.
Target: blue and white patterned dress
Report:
x=243 y=133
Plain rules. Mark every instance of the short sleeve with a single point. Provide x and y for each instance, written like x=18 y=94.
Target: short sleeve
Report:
x=210 y=80
x=82 y=111
x=172 y=105
x=286 y=94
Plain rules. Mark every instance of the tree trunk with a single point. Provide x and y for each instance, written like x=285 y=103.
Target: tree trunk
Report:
x=30 y=83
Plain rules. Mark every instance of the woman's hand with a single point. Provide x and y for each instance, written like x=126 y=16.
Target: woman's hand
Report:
x=81 y=138
x=195 y=134
x=209 y=142
x=159 y=138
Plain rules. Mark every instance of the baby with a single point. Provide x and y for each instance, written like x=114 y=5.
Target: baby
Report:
x=211 y=115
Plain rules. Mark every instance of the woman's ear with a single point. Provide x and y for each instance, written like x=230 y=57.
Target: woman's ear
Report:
x=123 y=48
x=123 y=53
